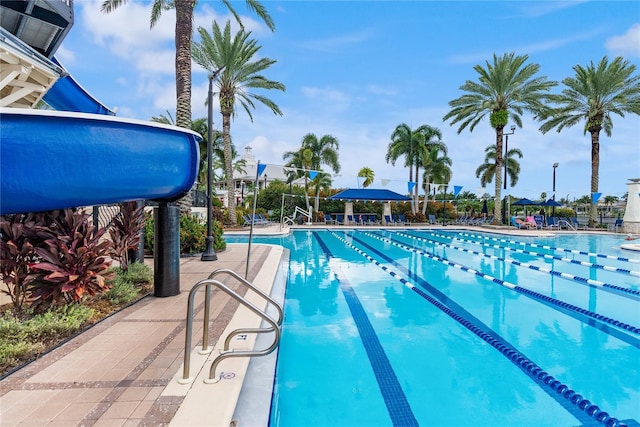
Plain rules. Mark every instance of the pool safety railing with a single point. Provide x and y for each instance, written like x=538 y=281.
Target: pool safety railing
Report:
x=298 y=210
x=274 y=323
x=562 y=222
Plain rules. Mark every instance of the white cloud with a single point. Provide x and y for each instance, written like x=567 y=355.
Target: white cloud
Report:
x=626 y=44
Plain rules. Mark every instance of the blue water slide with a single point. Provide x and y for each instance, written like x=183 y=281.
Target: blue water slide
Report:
x=57 y=159
x=67 y=95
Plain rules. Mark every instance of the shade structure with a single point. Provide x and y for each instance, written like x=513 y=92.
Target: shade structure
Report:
x=369 y=194
x=526 y=202
x=551 y=202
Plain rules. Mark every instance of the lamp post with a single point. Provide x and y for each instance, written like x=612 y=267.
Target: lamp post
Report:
x=209 y=253
x=555 y=165
x=504 y=163
x=506 y=153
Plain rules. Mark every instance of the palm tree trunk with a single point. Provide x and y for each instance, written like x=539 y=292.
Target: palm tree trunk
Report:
x=231 y=189
x=595 y=177
x=184 y=25
x=497 y=208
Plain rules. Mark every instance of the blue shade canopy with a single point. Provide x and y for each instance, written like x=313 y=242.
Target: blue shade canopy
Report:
x=526 y=202
x=369 y=194
x=551 y=202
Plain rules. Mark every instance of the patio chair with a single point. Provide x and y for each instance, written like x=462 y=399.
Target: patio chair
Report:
x=328 y=219
x=339 y=219
x=519 y=224
x=576 y=224
x=539 y=219
x=403 y=220
x=432 y=219
x=617 y=225
x=388 y=220
x=531 y=221
x=552 y=222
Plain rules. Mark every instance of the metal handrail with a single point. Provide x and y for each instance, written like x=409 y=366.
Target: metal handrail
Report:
x=275 y=326
x=205 y=329
x=560 y=221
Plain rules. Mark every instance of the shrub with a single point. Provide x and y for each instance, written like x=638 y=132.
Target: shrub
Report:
x=122 y=291
x=193 y=233
x=21 y=339
x=138 y=273
x=125 y=232
x=74 y=260
x=17 y=254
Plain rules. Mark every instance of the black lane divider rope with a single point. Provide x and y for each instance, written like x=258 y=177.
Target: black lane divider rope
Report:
x=575 y=403
x=553 y=248
x=394 y=398
x=619 y=290
x=547 y=256
x=552 y=302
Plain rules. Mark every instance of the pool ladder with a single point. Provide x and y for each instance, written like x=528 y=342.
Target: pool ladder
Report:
x=274 y=324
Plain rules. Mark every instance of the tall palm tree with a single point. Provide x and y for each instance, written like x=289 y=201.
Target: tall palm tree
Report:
x=368 y=175
x=436 y=169
x=591 y=97
x=504 y=88
x=487 y=170
x=300 y=163
x=235 y=56
x=317 y=152
x=183 y=32
x=411 y=145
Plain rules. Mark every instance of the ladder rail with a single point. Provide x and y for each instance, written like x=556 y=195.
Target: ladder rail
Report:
x=275 y=327
x=205 y=329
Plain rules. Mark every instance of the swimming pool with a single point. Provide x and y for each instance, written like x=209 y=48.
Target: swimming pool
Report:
x=448 y=327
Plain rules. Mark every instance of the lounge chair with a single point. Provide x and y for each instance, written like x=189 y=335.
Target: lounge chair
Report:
x=328 y=219
x=617 y=225
x=539 y=219
x=531 y=221
x=388 y=220
x=350 y=220
x=432 y=219
x=403 y=220
x=372 y=219
x=576 y=224
x=552 y=222
x=519 y=224
x=339 y=219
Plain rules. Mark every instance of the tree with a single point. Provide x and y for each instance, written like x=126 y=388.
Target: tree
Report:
x=368 y=175
x=436 y=169
x=591 y=97
x=314 y=153
x=411 y=145
x=487 y=170
x=505 y=87
x=231 y=60
x=183 y=31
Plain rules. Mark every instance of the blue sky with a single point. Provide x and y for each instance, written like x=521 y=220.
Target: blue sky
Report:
x=357 y=69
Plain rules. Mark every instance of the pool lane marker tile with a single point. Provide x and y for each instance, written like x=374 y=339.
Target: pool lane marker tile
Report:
x=392 y=393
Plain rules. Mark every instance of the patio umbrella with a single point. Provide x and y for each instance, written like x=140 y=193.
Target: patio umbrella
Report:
x=484 y=210
x=551 y=202
x=525 y=202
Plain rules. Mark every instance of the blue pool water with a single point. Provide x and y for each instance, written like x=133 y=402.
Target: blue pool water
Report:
x=391 y=327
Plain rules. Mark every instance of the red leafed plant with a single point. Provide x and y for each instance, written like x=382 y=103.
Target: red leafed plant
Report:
x=17 y=254
x=125 y=231
x=74 y=260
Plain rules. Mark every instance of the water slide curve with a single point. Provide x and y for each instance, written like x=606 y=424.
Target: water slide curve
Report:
x=82 y=155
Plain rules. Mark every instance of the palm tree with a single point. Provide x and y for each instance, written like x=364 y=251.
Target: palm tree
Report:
x=487 y=170
x=505 y=87
x=437 y=169
x=368 y=175
x=183 y=31
x=235 y=56
x=317 y=152
x=300 y=162
x=410 y=144
x=591 y=97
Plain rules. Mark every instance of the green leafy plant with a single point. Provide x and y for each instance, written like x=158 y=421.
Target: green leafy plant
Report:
x=192 y=235
x=74 y=260
x=125 y=232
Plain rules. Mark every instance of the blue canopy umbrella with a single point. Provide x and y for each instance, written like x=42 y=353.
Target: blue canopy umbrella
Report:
x=551 y=202
x=526 y=202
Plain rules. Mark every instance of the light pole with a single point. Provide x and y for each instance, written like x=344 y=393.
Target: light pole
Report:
x=506 y=153
x=209 y=253
x=504 y=164
x=555 y=165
